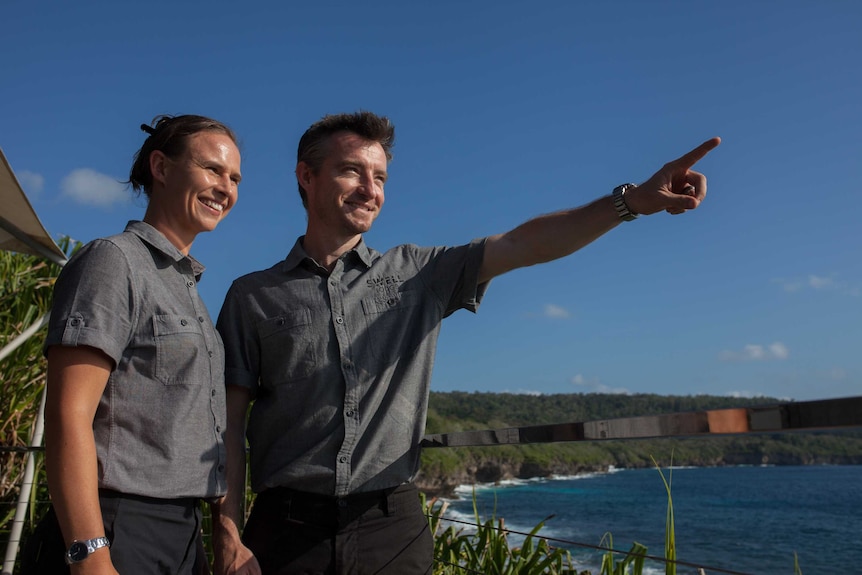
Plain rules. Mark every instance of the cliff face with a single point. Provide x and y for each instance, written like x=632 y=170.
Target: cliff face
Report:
x=492 y=472
x=489 y=471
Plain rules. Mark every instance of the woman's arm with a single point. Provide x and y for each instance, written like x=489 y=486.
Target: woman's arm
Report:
x=77 y=377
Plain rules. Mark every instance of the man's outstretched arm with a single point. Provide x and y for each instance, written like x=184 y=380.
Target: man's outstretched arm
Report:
x=675 y=188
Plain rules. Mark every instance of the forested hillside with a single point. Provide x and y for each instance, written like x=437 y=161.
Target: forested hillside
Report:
x=445 y=468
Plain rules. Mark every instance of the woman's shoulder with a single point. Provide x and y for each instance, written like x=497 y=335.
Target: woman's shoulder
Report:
x=117 y=245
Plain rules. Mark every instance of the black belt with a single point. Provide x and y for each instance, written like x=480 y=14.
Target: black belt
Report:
x=179 y=502
x=327 y=509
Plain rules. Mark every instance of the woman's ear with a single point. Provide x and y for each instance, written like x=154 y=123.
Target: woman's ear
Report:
x=158 y=166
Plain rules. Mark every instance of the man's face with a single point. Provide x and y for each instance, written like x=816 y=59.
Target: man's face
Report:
x=346 y=194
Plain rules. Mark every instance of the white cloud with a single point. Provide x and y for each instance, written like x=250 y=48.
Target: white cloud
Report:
x=746 y=394
x=837 y=373
x=753 y=352
x=756 y=352
x=594 y=385
x=743 y=394
x=556 y=312
x=819 y=283
x=532 y=392
x=779 y=350
x=789 y=285
x=32 y=183
x=89 y=187
x=614 y=390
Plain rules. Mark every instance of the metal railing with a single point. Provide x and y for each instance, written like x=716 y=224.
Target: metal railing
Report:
x=817 y=415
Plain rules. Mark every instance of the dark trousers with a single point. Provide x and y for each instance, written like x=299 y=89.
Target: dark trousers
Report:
x=384 y=532
x=148 y=537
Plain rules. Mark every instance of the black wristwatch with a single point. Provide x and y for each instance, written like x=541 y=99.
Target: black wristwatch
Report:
x=620 y=202
x=80 y=550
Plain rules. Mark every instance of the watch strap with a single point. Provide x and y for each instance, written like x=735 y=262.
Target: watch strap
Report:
x=620 y=202
x=80 y=550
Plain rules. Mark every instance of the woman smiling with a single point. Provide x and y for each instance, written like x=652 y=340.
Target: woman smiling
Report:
x=135 y=411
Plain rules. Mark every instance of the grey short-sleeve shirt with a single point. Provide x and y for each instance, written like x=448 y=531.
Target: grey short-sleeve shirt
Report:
x=159 y=426
x=340 y=363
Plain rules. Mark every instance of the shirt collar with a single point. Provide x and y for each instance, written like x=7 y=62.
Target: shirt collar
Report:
x=363 y=252
x=155 y=238
x=298 y=254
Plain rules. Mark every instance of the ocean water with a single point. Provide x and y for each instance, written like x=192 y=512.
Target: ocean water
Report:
x=737 y=519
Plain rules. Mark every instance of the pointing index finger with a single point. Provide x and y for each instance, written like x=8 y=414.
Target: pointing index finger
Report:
x=688 y=160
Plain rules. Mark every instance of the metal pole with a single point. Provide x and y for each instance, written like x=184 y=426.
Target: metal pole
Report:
x=23 y=336
x=26 y=490
x=40 y=249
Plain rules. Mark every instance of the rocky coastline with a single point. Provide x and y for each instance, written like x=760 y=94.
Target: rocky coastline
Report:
x=444 y=484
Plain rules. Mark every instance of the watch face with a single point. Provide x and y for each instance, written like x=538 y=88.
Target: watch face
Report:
x=78 y=551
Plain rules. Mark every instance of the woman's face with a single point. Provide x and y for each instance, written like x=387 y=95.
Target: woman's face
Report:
x=192 y=193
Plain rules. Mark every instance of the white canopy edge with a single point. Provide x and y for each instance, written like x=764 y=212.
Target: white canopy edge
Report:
x=20 y=228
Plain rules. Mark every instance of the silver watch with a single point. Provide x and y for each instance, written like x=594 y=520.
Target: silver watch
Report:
x=80 y=550
x=620 y=202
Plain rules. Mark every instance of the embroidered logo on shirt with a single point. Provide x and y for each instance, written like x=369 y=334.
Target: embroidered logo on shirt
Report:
x=385 y=289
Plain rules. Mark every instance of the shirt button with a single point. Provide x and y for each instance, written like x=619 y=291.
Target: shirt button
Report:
x=392 y=302
x=339 y=320
x=218 y=428
x=342 y=503
x=190 y=283
x=349 y=413
x=211 y=353
x=280 y=321
x=201 y=318
x=343 y=459
x=183 y=322
x=75 y=321
x=221 y=468
x=213 y=393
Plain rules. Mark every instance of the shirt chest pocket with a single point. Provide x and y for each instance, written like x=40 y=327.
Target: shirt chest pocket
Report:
x=392 y=325
x=181 y=351
x=286 y=347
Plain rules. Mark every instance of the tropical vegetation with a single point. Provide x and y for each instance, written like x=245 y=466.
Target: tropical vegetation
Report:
x=25 y=296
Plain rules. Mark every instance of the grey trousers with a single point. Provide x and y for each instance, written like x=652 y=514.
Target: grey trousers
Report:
x=148 y=537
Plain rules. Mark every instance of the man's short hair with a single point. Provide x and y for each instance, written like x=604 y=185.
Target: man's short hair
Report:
x=314 y=144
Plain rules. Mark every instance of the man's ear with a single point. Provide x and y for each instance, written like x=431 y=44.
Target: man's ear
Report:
x=158 y=166
x=304 y=174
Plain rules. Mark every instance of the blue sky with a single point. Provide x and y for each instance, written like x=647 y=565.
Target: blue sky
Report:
x=504 y=110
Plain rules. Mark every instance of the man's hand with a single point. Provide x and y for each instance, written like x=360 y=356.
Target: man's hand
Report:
x=230 y=556
x=675 y=188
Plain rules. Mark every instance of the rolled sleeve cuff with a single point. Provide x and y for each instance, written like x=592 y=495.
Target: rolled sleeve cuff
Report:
x=471 y=274
x=241 y=378
x=74 y=333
